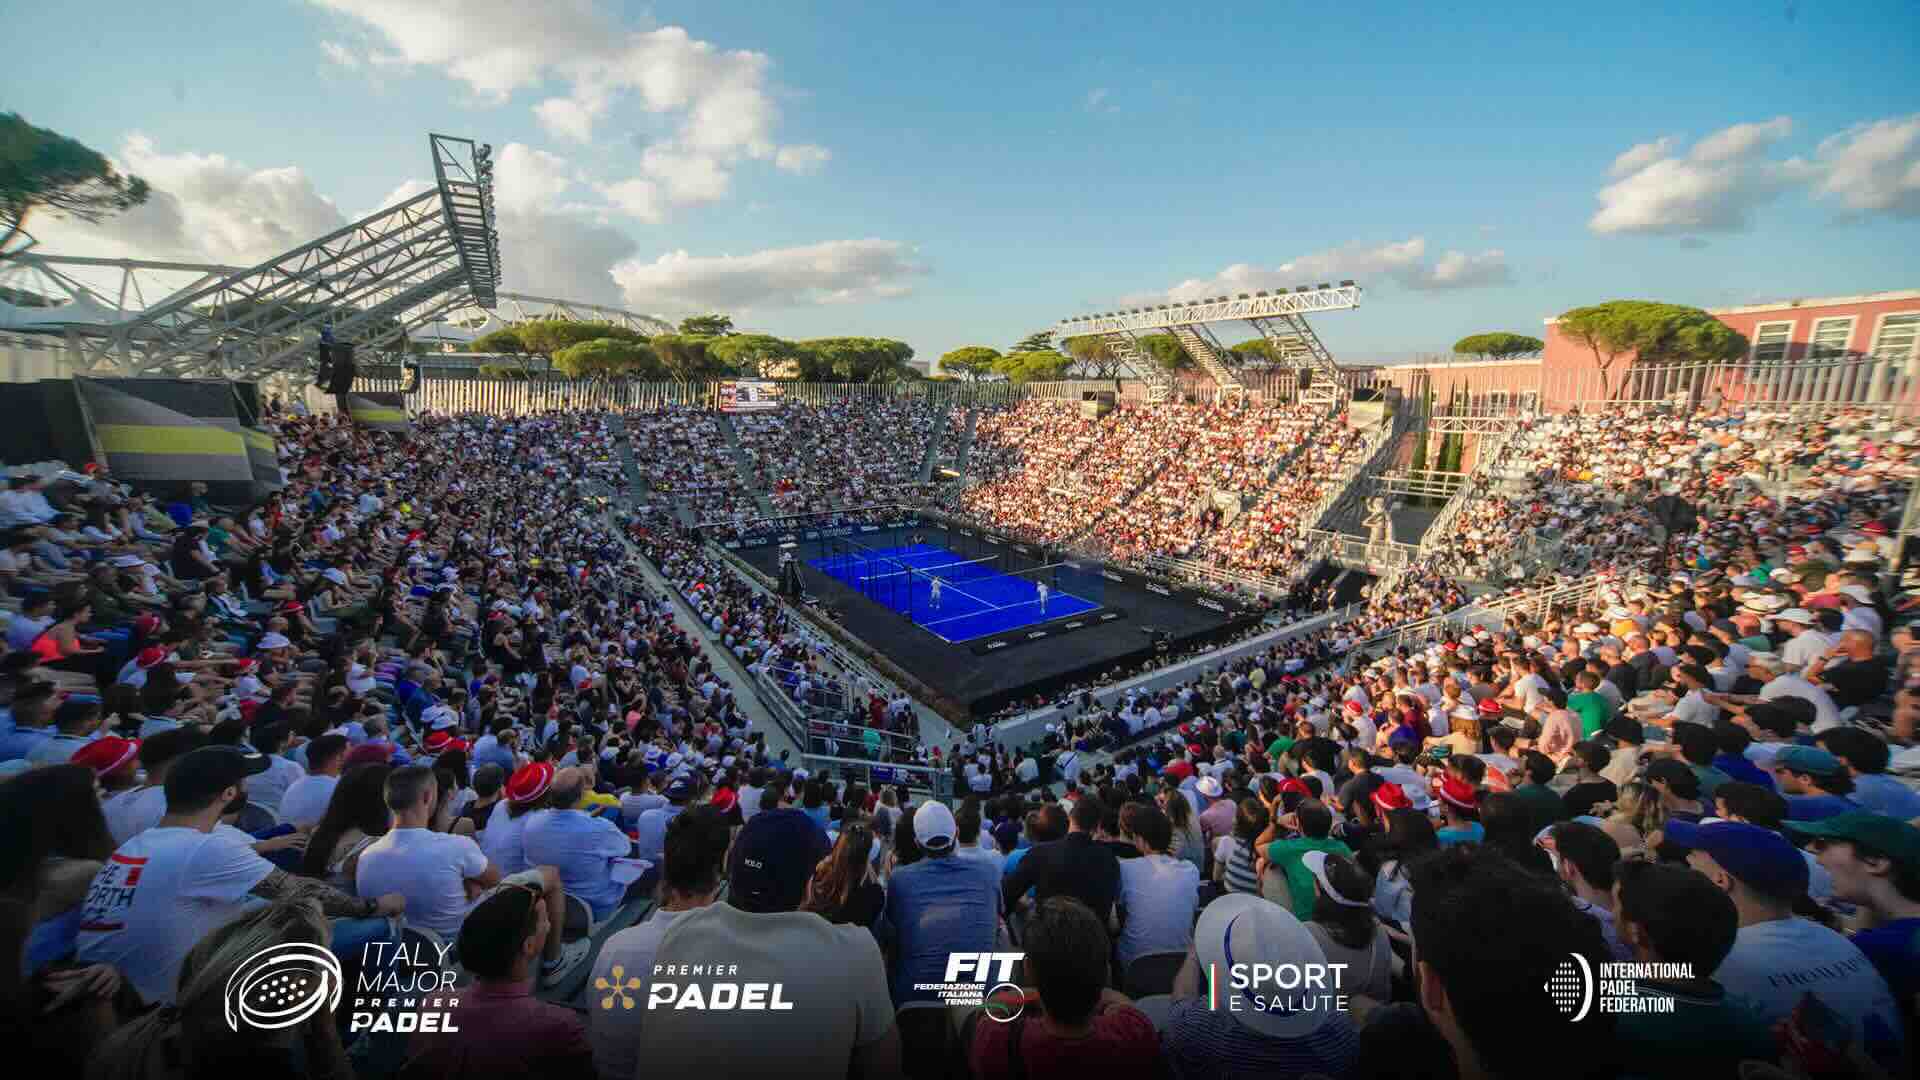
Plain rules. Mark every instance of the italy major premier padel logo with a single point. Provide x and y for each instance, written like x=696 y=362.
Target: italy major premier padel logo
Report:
x=1571 y=987
x=281 y=986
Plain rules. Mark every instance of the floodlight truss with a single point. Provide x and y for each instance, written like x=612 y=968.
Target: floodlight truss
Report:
x=1280 y=318
x=370 y=281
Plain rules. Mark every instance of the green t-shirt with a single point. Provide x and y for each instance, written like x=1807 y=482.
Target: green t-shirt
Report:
x=1279 y=746
x=1285 y=857
x=1594 y=711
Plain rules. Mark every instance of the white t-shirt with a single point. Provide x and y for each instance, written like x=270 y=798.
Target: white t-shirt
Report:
x=430 y=869
x=1826 y=713
x=133 y=812
x=615 y=1033
x=305 y=802
x=1806 y=647
x=837 y=1006
x=158 y=895
x=270 y=788
x=1773 y=964
x=1159 y=894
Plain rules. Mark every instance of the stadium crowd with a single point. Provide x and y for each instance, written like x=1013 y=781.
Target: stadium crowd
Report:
x=423 y=694
x=830 y=456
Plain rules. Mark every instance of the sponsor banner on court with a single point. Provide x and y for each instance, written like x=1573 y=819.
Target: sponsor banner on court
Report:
x=766 y=539
x=742 y=395
x=1099 y=616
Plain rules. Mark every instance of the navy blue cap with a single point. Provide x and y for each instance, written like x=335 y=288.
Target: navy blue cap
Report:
x=772 y=859
x=1761 y=858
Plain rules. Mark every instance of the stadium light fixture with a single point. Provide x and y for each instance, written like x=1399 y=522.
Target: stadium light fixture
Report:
x=1244 y=296
x=1347 y=283
x=1326 y=285
x=1262 y=292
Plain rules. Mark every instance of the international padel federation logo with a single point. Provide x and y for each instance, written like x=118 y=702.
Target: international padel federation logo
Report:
x=281 y=986
x=1571 y=987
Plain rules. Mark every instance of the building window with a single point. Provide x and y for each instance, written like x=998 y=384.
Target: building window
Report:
x=1830 y=336
x=1895 y=339
x=1770 y=341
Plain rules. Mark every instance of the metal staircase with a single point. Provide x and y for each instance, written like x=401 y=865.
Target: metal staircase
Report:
x=1207 y=351
x=1296 y=345
x=741 y=466
x=1159 y=382
x=929 y=459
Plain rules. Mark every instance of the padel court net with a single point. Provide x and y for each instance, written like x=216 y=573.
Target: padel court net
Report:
x=959 y=598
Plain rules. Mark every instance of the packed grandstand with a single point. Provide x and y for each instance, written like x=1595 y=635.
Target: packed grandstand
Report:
x=489 y=699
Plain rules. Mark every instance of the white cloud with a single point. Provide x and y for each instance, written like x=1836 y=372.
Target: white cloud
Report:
x=1641 y=156
x=340 y=55
x=716 y=101
x=1096 y=100
x=837 y=271
x=1874 y=167
x=804 y=159
x=1403 y=262
x=204 y=207
x=1712 y=188
x=637 y=199
x=525 y=179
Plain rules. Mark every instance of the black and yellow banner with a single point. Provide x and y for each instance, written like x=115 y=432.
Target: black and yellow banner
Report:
x=379 y=411
x=164 y=434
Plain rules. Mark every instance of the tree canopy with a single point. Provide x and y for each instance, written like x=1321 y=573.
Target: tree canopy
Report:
x=856 y=359
x=1166 y=351
x=607 y=357
x=548 y=336
x=1040 y=341
x=1653 y=332
x=1094 y=357
x=500 y=341
x=689 y=358
x=763 y=355
x=970 y=362
x=706 y=325
x=1499 y=345
x=45 y=169
x=1041 y=366
x=1257 y=351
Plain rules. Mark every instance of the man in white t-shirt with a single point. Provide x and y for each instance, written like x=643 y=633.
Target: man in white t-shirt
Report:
x=696 y=851
x=305 y=801
x=1158 y=893
x=161 y=892
x=1779 y=957
x=440 y=874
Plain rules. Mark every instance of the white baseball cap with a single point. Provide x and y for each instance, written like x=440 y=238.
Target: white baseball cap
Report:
x=934 y=827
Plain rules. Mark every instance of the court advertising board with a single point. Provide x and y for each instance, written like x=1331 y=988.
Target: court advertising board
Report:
x=749 y=395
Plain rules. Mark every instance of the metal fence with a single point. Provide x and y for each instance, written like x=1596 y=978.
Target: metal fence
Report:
x=464 y=391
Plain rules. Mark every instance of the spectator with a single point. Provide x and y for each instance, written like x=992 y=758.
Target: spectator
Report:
x=1344 y=925
x=690 y=879
x=497 y=1026
x=1311 y=822
x=1269 y=1029
x=438 y=873
x=845 y=888
x=1158 y=892
x=938 y=906
x=1082 y=1026
x=1875 y=864
x=306 y=799
x=1074 y=865
x=1674 y=915
x=166 y=887
x=841 y=1022
x=1778 y=957
x=578 y=845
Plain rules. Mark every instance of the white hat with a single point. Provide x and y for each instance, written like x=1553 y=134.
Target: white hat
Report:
x=1243 y=929
x=1209 y=786
x=1316 y=864
x=272 y=640
x=1858 y=592
x=934 y=827
x=440 y=718
x=1795 y=615
x=360 y=685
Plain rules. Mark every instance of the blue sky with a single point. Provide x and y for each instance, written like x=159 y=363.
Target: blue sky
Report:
x=960 y=174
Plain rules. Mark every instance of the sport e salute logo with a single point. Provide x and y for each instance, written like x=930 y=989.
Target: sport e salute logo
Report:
x=281 y=986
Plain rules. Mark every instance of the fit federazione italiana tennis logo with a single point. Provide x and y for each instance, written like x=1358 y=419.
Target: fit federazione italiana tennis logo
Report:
x=282 y=986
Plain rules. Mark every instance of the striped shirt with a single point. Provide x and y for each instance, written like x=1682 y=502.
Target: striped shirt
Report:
x=1199 y=1042
x=1240 y=875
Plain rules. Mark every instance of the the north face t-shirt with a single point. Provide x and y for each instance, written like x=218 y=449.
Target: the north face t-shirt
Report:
x=158 y=895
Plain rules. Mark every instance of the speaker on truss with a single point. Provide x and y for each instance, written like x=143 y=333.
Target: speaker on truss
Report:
x=340 y=377
x=1303 y=377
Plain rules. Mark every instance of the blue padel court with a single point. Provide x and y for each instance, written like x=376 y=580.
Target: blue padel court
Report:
x=975 y=596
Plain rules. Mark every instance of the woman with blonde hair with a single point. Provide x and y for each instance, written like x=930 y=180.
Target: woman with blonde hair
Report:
x=845 y=889
x=194 y=1038
x=1636 y=814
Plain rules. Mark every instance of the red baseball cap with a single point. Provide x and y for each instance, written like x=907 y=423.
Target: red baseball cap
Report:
x=529 y=782
x=149 y=657
x=1489 y=706
x=1459 y=792
x=107 y=754
x=1389 y=797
